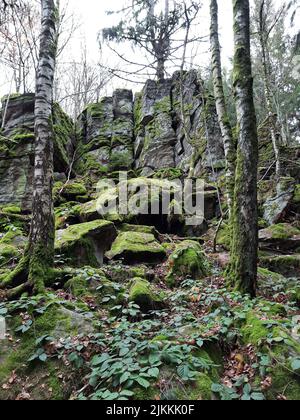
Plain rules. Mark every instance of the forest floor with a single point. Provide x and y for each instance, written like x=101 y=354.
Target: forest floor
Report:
x=197 y=341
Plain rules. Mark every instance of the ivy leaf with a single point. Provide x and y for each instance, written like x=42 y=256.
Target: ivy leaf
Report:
x=143 y=382
x=296 y=364
x=154 y=372
x=124 y=351
x=257 y=396
x=43 y=357
x=124 y=377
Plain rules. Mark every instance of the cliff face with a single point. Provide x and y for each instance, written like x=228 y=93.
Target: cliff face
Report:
x=150 y=132
x=168 y=130
x=17 y=149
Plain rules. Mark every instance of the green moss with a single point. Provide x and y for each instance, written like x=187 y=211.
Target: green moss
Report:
x=284 y=383
x=143 y=295
x=12 y=209
x=283 y=231
x=223 y=237
x=139 y=229
x=188 y=260
x=296 y=198
x=163 y=106
x=7 y=252
x=200 y=389
x=254 y=331
x=121 y=160
x=70 y=189
x=168 y=173
x=142 y=394
x=136 y=247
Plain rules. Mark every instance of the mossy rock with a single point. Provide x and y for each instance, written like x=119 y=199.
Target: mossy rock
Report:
x=187 y=261
x=120 y=273
x=70 y=190
x=281 y=236
x=90 y=282
x=57 y=322
x=287 y=265
x=143 y=294
x=135 y=247
x=7 y=252
x=139 y=229
x=86 y=243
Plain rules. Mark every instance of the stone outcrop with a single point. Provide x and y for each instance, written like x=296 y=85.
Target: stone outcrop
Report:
x=177 y=127
x=107 y=134
x=17 y=148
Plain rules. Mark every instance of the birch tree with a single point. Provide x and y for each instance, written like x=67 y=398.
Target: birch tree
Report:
x=224 y=122
x=264 y=32
x=244 y=247
x=37 y=262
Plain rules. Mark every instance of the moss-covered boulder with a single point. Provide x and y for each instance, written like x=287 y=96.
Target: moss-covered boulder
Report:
x=11 y=245
x=86 y=243
x=143 y=294
x=136 y=247
x=70 y=191
x=282 y=236
x=187 y=261
x=287 y=265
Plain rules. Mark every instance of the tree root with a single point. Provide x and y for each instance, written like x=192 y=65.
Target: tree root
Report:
x=18 y=276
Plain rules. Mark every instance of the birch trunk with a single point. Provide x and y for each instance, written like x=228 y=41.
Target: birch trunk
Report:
x=244 y=247
x=229 y=146
x=42 y=232
x=273 y=120
x=34 y=268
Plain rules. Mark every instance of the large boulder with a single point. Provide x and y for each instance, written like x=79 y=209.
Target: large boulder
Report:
x=187 y=261
x=86 y=243
x=136 y=247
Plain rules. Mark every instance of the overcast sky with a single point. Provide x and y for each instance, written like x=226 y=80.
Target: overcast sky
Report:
x=91 y=14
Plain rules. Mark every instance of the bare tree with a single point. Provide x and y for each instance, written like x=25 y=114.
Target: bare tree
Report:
x=19 y=40
x=79 y=83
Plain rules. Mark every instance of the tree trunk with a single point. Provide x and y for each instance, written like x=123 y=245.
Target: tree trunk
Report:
x=36 y=265
x=273 y=120
x=229 y=146
x=41 y=240
x=160 y=70
x=244 y=247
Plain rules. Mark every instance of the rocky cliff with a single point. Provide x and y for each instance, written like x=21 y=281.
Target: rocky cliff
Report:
x=137 y=305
